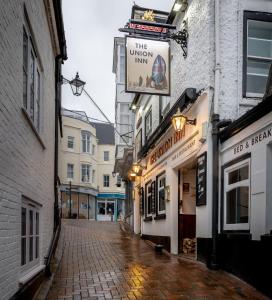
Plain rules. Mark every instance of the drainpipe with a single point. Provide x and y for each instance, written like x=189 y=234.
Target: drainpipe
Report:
x=215 y=120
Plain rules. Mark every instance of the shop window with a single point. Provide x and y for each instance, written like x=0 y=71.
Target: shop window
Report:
x=70 y=171
x=257 y=52
x=148 y=124
x=237 y=196
x=70 y=142
x=85 y=173
x=31 y=80
x=161 y=194
x=86 y=141
x=30 y=235
x=106 y=180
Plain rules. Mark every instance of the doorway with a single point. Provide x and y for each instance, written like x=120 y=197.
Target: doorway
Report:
x=187 y=211
x=105 y=210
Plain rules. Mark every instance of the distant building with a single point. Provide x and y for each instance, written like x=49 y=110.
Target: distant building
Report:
x=32 y=51
x=88 y=188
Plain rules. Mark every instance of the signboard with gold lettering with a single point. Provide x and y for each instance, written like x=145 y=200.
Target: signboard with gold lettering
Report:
x=147 y=66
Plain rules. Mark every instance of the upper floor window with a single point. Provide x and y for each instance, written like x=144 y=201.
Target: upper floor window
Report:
x=31 y=80
x=93 y=176
x=164 y=106
x=257 y=52
x=106 y=155
x=119 y=180
x=237 y=196
x=148 y=124
x=86 y=141
x=93 y=149
x=122 y=64
x=125 y=127
x=70 y=171
x=30 y=235
x=85 y=173
x=106 y=180
x=70 y=142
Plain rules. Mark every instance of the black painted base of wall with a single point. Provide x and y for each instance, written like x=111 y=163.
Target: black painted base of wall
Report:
x=240 y=255
x=162 y=240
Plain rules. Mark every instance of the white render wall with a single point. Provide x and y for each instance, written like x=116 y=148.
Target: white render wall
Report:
x=25 y=167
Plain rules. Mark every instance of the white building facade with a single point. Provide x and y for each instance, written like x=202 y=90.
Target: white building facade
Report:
x=32 y=50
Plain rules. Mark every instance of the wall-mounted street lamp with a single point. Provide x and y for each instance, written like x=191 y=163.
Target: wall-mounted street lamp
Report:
x=180 y=5
x=77 y=85
x=179 y=121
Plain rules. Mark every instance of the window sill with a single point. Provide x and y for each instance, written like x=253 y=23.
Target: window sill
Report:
x=23 y=280
x=237 y=235
x=148 y=219
x=160 y=217
x=27 y=117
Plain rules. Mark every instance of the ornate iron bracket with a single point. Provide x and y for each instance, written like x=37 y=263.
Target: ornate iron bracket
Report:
x=181 y=37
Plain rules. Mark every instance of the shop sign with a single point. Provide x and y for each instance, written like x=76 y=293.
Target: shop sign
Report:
x=148 y=28
x=166 y=145
x=147 y=66
x=254 y=140
x=201 y=180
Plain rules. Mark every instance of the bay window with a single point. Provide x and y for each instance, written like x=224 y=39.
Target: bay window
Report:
x=86 y=141
x=85 y=173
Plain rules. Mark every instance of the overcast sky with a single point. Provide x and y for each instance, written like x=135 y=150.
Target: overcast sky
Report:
x=90 y=26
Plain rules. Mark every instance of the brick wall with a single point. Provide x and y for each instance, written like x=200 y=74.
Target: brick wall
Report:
x=25 y=167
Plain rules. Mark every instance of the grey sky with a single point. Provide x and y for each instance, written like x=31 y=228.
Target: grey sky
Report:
x=90 y=26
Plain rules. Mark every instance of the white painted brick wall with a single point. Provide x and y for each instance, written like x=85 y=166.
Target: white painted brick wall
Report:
x=25 y=168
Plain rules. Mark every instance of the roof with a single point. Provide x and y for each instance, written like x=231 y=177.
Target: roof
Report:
x=104 y=133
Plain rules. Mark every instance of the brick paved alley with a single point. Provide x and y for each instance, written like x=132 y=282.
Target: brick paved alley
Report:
x=100 y=261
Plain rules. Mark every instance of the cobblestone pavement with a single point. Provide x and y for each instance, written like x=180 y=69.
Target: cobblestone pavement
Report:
x=100 y=261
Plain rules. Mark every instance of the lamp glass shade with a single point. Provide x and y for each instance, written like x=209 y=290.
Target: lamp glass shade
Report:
x=136 y=168
x=77 y=85
x=178 y=121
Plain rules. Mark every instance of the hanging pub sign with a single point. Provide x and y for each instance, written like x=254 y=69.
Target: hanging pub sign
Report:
x=147 y=66
x=201 y=180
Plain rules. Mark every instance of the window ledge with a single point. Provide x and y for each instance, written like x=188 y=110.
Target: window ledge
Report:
x=23 y=280
x=240 y=235
x=26 y=115
x=249 y=101
x=148 y=219
x=160 y=217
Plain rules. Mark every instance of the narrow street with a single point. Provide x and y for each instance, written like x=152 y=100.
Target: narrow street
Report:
x=100 y=261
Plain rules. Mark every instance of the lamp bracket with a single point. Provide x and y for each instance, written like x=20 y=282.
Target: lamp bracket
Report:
x=181 y=37
x=191 y=122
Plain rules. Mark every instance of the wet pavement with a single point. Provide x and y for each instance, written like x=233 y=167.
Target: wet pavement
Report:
x=100 y=262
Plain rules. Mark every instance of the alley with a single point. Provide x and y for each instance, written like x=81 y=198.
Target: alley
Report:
x=101 y=261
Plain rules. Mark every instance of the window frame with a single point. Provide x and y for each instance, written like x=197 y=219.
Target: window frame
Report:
x=148 y=194
x=29 y=205
x=104 y=181
x=85 y=137
x=81 y=172
x=230 y=167
x=71 y=139
x=148 y=115
x=72 y=177
x=158 y=211
x=255 y=16
x=106 y=155
x=163 y=110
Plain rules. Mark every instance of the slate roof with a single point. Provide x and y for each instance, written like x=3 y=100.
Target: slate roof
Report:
x=104 y=133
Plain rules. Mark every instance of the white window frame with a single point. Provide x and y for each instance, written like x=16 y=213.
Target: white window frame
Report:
x=93 y=149
x=72 y=177
x=148 y=124
x=228 y=187
x=85 y=138
x=106 y=155
x=36 y=235
x=160 y=212
x=93 y=176
x=71 y=139
x=85 y=179
x=148 y=198
x=122 y=52
x=33 y=107
x=104 y=181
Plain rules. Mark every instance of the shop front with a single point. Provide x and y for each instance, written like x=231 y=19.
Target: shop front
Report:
x=245 y=239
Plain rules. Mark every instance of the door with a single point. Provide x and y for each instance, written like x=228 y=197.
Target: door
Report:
x=105 y=210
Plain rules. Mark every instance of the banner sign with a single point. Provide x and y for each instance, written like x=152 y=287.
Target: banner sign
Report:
x=147 y=66
x=150 y=28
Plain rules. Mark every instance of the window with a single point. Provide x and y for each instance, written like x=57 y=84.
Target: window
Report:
x=106 y=155
x=122 y=63
x=148 y=199
x=257 y=52
x=118 y=181
x=31 y=80
x=106 y=180
x=30 y=235
x=93 y=149
x=85 y=173
x=164 y=106
x=93 y=176
x=237 y=196
x=86 y=141
x=148 y=124
x=125 y=127
x=161 y=194
x=70 y=142
x=70 y=171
